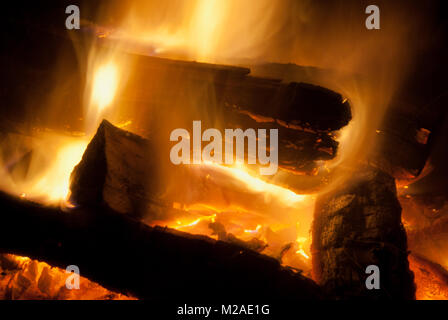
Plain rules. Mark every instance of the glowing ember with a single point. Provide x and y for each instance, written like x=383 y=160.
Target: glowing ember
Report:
x=24 y=278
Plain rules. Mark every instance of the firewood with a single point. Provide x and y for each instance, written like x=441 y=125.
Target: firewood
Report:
x=307 y=105
x=127 y=256
x=412 y=122
x=359 y=225
x=130 y=175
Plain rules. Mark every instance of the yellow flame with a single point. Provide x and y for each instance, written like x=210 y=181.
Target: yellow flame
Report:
x=258 y=185
x=302 y=252
x=104 y=86
x=55 y=181
x=300 y=242
x=253 y=231
x=195 y=222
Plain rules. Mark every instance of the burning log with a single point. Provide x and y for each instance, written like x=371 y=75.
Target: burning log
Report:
x=125 y=172
x=116 y=169
x=300 y=104
x=127 y=256
x=175 y=93
x=356 y=226
x=163 y=94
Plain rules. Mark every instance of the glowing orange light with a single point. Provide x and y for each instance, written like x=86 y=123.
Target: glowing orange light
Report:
x=258 y=185
x=104 y=86
x=254 y=231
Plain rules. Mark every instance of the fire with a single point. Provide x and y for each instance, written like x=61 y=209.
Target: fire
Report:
x=45 y=177
x=55 y=182
x=300 y=242
x=277 y=226
x=285 y=195
x=105 y=83
x=257 y=229
x=24 y=278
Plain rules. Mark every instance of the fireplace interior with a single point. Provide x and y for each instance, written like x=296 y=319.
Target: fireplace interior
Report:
x=86 y=177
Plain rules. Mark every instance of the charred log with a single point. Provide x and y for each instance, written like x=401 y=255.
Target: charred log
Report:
x=128 y=256
x=130 y=175
x=356 y=226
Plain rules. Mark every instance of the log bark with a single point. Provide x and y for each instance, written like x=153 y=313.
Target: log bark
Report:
x=125 y=255
x=356 y=226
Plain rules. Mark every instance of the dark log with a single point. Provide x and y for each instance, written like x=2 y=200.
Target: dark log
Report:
x=307 y=105
x=133 y=175
x=117 y=169
x=405 y=137
x=413 y=119
x=127 y=256
x=171 y=94
x=356 y=226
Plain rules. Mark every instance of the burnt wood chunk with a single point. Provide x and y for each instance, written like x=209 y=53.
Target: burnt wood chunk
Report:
x=307 y=105
x=116 y=169
x=356 y=226
x=127 y=256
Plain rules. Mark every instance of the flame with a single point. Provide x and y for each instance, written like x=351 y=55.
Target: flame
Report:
x=256 y=184
x=300 y=242
x=54 y=184
x=105 y=84
x=253 y=231
x=180 y=225
x=47 y=176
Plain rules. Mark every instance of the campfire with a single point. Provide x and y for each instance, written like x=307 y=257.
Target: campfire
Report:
x=330 y=187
